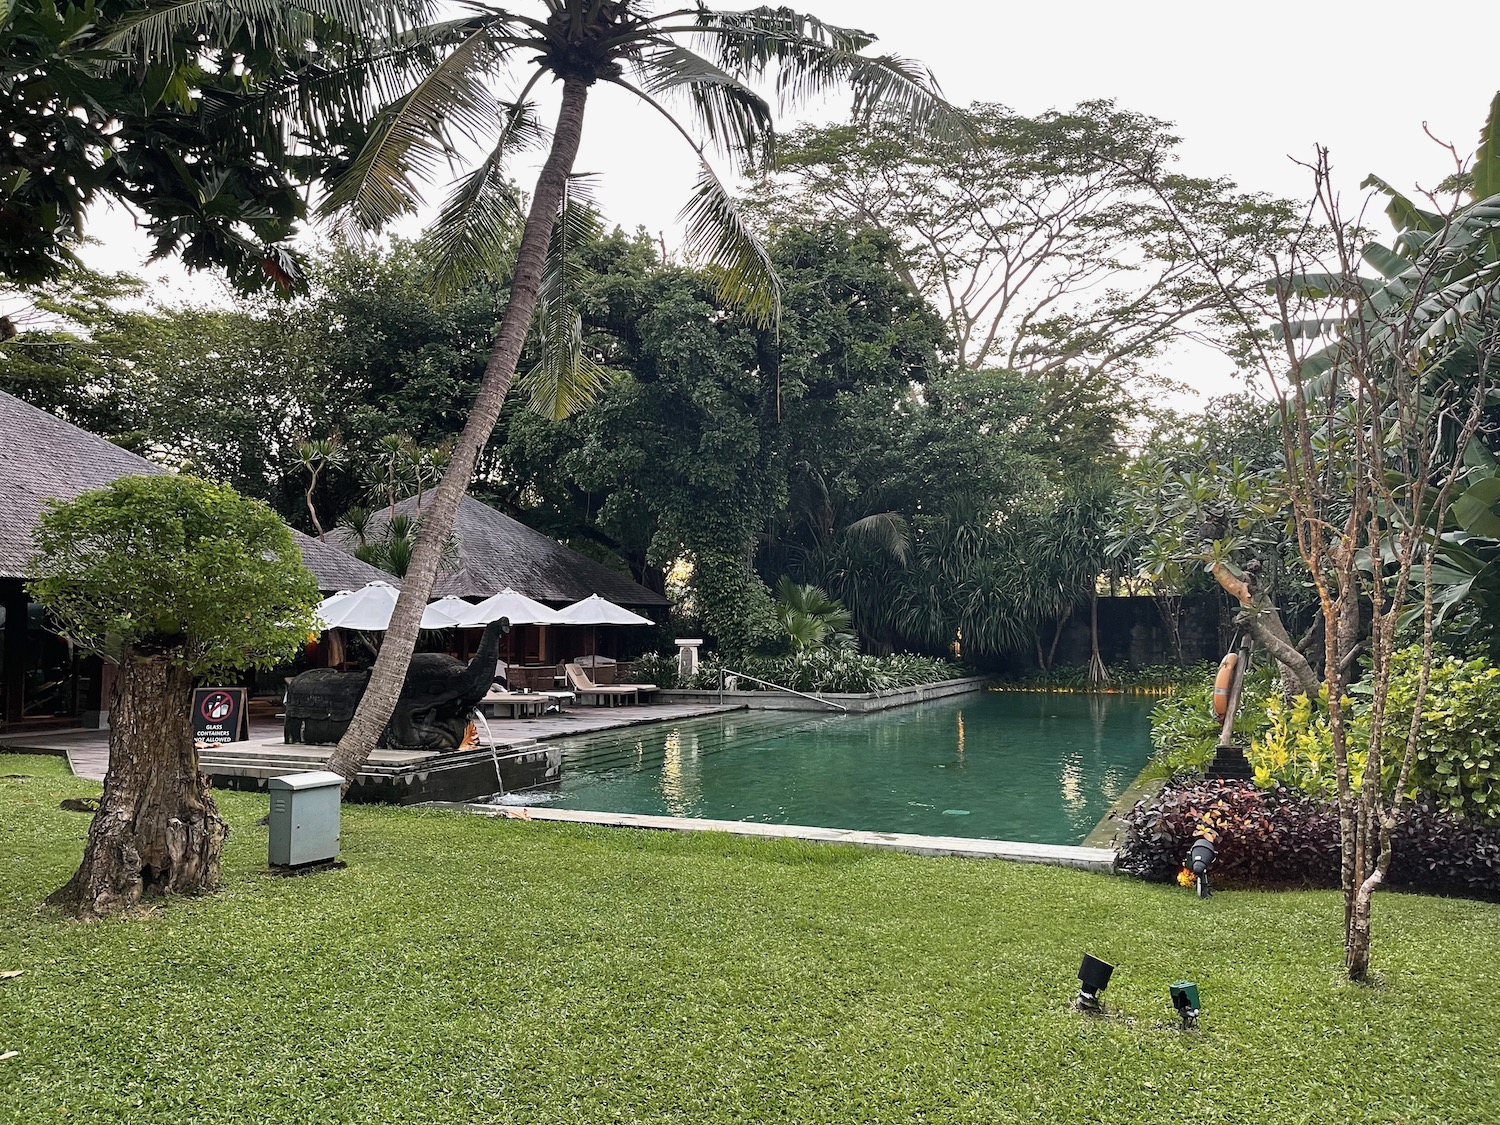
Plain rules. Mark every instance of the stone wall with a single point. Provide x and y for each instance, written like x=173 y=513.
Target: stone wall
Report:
x=1131 y=632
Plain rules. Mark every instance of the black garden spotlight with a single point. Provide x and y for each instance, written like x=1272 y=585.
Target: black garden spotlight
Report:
x=1185 y=1000
x=1200 y=859
x=1093 y=978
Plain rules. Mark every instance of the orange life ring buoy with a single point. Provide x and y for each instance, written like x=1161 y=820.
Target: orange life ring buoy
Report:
x=1222 y=683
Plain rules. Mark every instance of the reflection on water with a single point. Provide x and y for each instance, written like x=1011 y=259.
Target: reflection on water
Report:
x=1018 y=767
x=1070 y=781
x=681 y=780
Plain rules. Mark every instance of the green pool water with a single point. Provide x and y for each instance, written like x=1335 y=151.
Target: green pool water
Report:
x=993 y=765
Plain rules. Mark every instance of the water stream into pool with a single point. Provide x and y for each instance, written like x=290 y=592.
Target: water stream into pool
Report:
x=1036 y=767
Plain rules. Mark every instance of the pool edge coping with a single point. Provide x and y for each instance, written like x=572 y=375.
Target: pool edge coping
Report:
x=1059 y=855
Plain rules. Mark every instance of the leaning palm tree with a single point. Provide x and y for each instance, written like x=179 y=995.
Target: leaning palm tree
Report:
x=691 y=57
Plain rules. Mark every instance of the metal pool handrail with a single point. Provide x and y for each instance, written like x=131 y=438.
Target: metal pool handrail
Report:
x=775 y=687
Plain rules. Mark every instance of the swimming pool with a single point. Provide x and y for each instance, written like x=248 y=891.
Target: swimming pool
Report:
x=1040 y=768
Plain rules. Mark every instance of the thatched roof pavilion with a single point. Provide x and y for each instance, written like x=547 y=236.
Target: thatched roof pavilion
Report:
x=495 y=552
x=43 y=458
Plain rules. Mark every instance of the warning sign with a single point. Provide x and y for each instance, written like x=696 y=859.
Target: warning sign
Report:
x=219 y=716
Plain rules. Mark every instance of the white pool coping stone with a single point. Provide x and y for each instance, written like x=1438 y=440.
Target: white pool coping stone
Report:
x=1058 y=855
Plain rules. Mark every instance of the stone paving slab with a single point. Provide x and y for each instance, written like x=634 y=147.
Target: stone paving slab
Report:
x=1058 y=855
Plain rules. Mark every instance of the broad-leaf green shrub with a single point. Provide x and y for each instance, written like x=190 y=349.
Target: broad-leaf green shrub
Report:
x=1458 y=741
x=1185 y=733
x=1295 y=748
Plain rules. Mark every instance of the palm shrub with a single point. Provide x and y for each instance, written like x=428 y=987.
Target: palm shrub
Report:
x=810 y=619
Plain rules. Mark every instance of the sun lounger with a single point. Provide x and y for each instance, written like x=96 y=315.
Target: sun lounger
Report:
x=586 y=689
x=520 y=704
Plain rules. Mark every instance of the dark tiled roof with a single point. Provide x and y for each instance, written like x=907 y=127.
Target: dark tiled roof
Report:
x=44 y=458
x=495 y=551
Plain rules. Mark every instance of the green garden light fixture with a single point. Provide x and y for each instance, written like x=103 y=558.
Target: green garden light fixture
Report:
x=1093 y=978
x=1200 y=859
x=1185 y=1000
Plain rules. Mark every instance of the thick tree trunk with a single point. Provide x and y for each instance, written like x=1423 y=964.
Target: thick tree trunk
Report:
x=1264 y=624
x=157 y=828
x=389 y=672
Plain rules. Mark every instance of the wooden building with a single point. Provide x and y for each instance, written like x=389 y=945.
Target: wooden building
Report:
x=42 y=677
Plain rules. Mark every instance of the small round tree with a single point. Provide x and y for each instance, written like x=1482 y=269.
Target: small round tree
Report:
x=172 y=578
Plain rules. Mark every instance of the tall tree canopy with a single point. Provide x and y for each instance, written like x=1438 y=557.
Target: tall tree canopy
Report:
x=183 y=114
x=1061 y=242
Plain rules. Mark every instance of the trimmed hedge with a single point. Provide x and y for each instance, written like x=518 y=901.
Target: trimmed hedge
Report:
x=1277 y=838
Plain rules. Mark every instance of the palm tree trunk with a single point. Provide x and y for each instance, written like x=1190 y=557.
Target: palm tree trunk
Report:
x=389 y=673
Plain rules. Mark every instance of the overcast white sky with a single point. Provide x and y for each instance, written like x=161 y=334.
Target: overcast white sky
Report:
x=1247 y=86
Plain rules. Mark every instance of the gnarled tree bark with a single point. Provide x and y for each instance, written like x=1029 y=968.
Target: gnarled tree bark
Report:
x=157 y=828
x=1264 y=624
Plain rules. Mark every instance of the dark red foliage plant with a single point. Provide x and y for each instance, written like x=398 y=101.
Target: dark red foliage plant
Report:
x=1279 y=838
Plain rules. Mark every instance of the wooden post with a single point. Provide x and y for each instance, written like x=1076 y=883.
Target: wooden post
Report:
x=1229 y=761
x=1226 y=735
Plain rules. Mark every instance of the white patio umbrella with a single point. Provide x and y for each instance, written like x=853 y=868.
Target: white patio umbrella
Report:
x=594 y=610
x=507 y=603
x=370 y=608
x=445 y=613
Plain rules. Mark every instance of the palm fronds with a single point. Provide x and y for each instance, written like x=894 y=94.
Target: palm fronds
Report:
x=483 y=213
x=733 y=117
x=566 y=378
x=153 y=31
x=413 y=133
x=717 y=236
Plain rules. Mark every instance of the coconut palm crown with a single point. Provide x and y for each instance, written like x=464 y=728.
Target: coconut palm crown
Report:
x=693 y=65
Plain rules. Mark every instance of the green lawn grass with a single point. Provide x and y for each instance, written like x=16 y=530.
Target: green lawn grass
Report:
x=469 y=970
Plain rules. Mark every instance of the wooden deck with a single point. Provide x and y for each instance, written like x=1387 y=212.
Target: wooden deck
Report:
x=87 y=751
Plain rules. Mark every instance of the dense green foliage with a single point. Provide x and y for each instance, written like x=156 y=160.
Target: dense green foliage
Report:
x=163 y=108
x=836 y=669
x=1149 y=679
x=654 y=976
x=844 y=671
x=838 y=450
x=1457 y=758
x=174 y=564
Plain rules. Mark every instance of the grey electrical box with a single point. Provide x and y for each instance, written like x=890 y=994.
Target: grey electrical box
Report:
x=304 y=818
